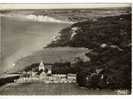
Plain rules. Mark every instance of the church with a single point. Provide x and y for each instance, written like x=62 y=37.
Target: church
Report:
x=47 y=68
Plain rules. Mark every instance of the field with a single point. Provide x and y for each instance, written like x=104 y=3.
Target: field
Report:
x=40 y=88
x=51 y=55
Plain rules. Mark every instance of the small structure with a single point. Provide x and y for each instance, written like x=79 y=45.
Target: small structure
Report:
x=71 y=78
x=99 y=70
x=41 y=66
x=47 y=68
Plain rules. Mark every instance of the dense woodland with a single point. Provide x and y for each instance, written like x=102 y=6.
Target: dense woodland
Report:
x=109 y=39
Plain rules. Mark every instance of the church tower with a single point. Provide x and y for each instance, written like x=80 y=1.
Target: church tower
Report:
x=41 y=66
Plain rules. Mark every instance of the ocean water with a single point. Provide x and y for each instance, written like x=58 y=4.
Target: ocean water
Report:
x=20 y=38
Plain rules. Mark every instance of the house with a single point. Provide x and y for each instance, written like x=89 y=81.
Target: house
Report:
x=71 y=77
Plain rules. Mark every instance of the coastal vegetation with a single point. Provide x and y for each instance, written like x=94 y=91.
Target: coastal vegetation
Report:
x=109 y=39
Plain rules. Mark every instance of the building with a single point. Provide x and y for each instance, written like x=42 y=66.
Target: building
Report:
x=41 y=66
x=53 y=64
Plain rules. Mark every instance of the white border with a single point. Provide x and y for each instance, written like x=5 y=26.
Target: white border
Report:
x=65 y=1
x=62 y=6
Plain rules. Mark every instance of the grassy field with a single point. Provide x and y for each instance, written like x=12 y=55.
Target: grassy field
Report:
x=40 y=88
x=51 y=55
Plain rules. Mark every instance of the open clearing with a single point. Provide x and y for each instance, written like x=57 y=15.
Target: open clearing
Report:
x=39 y=88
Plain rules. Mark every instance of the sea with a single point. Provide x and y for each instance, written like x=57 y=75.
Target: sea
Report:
x=21 y=37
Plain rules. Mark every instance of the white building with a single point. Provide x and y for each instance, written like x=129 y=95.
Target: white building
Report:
x=41 y=66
